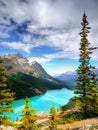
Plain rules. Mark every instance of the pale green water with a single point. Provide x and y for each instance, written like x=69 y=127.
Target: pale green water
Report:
x=43 y=102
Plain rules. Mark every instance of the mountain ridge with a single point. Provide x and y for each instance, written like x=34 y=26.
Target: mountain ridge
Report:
x=70 y=77
x=28 y=79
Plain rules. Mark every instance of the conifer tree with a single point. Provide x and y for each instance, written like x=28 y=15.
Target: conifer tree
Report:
x=28 y=117
x=53 y=122
x=86 y=87
x=6 y=96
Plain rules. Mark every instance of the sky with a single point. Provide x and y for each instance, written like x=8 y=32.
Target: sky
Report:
x=47 y=31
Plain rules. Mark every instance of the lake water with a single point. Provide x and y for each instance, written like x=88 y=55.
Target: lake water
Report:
x=43 y=102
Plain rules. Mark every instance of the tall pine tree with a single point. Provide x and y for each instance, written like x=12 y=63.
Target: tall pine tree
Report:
x=86 y=87
x=6 y=96
x=28 y=117
x=53 y=122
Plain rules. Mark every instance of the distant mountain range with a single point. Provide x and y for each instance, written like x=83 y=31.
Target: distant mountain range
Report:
x=70 y=78
x=28 y=79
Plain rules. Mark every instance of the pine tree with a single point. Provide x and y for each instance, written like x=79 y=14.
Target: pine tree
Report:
x=86 y=87
x=28 y=117
x=6 y=96
x=53 y=122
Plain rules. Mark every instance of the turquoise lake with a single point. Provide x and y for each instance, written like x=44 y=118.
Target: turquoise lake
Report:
x=43 y=102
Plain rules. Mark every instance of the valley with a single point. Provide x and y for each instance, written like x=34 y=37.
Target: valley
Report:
x=27 y=79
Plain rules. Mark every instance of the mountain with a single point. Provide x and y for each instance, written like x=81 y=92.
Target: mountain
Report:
x=28 y=79
x=67 y=75
x=70 y=78
x=41 y=72
x=17 y=63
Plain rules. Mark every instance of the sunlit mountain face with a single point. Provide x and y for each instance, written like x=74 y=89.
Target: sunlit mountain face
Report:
x=47 y=31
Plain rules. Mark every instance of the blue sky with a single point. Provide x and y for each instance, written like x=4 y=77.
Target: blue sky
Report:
x=47 y=31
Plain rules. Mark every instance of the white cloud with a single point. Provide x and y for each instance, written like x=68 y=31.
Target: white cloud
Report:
x=60 y=38
x=56 y=13
x=39 y=59
x=26 y=38
x=64 y=54
x=48 y=57
x=18 y=46
x=15 y=10
x=5 y=28
x=4 y=21
x=48 y=14
x=4 y=35
x=66 y=40
x=63 y=16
